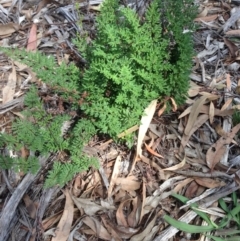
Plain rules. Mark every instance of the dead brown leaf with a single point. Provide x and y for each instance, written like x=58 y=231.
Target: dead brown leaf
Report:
x=134 y=216
x=194 y=114
x=8 y=28
x=217 y=150
x=30 y=206
x=64 y=226
x=199 y=122
x=209 y=182
x=120 y=214
x=152 y=151
x=129 y=183
x=232 y=48
x=191 y=190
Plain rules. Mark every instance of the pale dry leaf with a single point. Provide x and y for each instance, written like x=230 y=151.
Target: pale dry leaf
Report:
x=145 y=232
x=99 y=230
x=126 y=233
x=64 y=226
x=9 y=90
x=207 y=18
x=210 y=96
x=211 y=112
x=228 y=81
x=227 y=104
x=160 y=112
x=176 y=167
x=203 y=13
x=174 y=105
x=88 y=206
x=115 y=173
x=185 y=112
x=152 y=233
x=194 y=113
x=51 y=221
x=8 y=28
x=107 y=205
x=25 y=68
x=145 y=122
x=182 y=185
x=128 y=183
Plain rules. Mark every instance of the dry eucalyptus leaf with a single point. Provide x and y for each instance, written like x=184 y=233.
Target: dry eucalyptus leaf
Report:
x=64 y=227
x=217 y=150
x=8 y=28
x=99 y=230
x=88 y=206
x=9 y=90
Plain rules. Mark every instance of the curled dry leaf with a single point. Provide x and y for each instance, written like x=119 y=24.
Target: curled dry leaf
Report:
x=99 y=230
x=160 y=112
x=209 y=182
x=88 y=206
x=145 y=122
x=176 y=167
x=111 y=228
x=174 y=105
x=134 y=216
x=146 y=231
x=128 y=183
x=152 y=151
x=217 y=150
x=120 y=214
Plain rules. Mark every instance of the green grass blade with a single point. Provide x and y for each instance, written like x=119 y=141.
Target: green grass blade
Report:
x=188 y=227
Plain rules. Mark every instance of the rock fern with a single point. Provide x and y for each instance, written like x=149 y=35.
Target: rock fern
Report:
x=130 y=62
